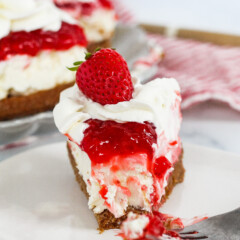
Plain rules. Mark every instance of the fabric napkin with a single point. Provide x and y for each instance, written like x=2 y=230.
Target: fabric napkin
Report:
x=204 y=71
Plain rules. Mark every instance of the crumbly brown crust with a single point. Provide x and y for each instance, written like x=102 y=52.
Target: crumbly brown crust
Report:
x=106 y=219
x=20 y=106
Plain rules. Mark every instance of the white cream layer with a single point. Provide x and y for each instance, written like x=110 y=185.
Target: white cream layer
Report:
x=23 y=74
x=29 y=15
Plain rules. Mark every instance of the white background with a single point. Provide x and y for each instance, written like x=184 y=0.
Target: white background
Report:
x=212 y=15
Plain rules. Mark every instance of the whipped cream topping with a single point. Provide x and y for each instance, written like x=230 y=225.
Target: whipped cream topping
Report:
x=23 y=74
x=153 y=102
x=30 y=15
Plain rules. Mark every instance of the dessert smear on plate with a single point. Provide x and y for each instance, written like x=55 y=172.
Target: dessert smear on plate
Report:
x=123 y=137
x=158 y=226
x=96 y=17
x=146 y=227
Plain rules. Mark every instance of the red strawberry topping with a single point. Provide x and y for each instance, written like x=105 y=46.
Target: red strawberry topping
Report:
x=105 y=78
x=161 y=165
x=31 y=43
x=106 y=4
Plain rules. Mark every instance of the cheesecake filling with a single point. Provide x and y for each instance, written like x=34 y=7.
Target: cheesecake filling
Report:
x=24 y=75
x=97 y=17
x=125 y=152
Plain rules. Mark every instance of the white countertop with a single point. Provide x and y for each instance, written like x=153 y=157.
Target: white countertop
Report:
x=212 y=124
x=209 y=124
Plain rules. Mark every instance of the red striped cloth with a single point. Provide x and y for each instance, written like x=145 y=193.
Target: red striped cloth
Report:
x=124 y=14
x=204 y=71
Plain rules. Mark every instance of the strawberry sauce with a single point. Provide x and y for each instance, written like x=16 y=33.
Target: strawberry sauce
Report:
x=105 y=139
x=103 y=192
x=31 y=43
x=106 y=4
x=160 y=166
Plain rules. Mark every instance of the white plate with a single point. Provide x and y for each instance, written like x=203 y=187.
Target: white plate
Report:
x=39 y=198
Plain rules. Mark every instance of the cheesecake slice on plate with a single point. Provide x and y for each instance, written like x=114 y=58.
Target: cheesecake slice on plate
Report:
x=123 y=137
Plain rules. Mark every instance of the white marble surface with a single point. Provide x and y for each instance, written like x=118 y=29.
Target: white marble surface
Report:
x=212 y=124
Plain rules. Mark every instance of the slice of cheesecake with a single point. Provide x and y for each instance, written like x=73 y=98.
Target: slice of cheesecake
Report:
x=123 y=137
x=37 y=42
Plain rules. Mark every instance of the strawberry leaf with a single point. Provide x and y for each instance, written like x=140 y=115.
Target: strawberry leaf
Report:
x=78 y=63
x=87 y=55
x=72 y=68
x=98 y=49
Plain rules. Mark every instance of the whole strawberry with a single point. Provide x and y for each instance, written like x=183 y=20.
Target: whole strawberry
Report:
x=104 y=77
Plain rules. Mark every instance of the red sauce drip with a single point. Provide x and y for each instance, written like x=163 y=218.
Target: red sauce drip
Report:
x=160 y=166
x=106 y=4
x=106 y=139
x=69 y=137
x=173 y=143
x=103 y=192
x=31 y=43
